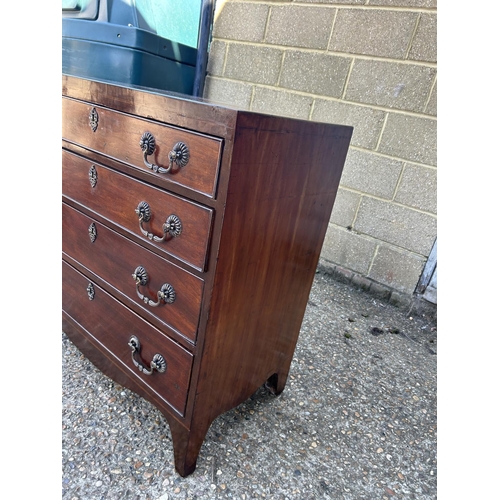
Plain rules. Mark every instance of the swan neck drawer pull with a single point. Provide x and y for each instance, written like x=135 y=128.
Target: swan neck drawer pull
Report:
x=166 y=294
x=179 y=155
x=158 y=362
x=172 y=227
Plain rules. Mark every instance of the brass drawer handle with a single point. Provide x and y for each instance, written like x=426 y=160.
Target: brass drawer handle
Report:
x=178 y=155
x=158 y=362
x=172 y=226
x=165 y=294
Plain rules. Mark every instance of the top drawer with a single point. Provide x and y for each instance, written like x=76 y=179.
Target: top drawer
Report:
x=192 y=159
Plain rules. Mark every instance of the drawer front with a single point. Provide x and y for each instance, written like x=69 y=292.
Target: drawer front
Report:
x=116 y=197
x=118 y=136
x=119 y=326
x=115 y=259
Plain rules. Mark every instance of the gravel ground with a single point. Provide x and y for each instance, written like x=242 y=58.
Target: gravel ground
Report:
x=357 y=419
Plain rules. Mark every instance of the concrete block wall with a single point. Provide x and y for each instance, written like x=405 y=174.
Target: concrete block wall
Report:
x=371 y=64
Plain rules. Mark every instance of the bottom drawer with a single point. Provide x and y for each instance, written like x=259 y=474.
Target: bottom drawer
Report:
x=113 y=325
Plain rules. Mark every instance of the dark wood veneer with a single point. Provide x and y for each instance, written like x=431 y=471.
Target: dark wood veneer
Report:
x=277 y=183
x=118 y=135
x=114 y=259
x=113 y=331
x=116 y=196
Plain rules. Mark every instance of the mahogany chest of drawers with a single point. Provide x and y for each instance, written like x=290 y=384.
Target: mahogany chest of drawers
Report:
x=191 y=236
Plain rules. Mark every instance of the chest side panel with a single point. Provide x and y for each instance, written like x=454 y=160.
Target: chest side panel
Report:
x=283 y=182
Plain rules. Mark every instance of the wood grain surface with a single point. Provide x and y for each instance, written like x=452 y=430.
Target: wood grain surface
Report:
x=115 y=258
x=115 y=197
x=118 y=135
x=112 y=325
